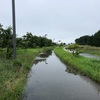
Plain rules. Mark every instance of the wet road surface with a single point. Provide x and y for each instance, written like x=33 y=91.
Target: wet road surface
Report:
x=50 y=79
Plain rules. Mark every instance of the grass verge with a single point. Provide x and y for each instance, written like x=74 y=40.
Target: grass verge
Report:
x=90 y=50
x=13 y=73
x=86 y=66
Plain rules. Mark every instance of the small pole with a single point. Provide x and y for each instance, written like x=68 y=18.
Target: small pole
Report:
x=14 y=29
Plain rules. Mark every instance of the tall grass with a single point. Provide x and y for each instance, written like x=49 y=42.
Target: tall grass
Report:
x=13 y=73
x=90 y=50
x=86 y=66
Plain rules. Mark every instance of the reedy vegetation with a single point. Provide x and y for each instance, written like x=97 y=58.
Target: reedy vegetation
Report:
x=86 y=66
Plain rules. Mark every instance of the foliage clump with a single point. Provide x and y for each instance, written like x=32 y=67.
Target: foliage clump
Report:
x=73 y=48
x=93 y=40
x=6 y=41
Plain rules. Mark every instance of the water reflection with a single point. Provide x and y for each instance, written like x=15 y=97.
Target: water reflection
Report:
x=89 y=55
x=95 y=85
x=71 y=70
x=51 y=82
x=42 y=57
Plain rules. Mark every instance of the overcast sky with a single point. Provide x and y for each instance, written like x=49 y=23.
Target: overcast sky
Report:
x=63 y=20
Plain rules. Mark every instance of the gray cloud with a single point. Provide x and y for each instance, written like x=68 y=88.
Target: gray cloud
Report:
x=63 y=20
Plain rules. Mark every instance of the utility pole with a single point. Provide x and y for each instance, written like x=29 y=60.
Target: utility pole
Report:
x=14 y=29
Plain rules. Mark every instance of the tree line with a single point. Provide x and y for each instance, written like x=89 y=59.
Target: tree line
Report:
x=27 y=41
x=93 y=40
x=33 y=41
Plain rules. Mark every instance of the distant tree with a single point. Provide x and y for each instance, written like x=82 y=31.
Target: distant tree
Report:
x=32 y=41
x=73 y=48
x=84 y=40
x=93 y=40
x=96 y=39
x=27 y=41
x=19 y=42
x=1 y=32
x=6 y=41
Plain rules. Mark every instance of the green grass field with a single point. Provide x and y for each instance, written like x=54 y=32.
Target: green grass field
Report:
x=86 y=66
x=90 y=50
x=13 y=74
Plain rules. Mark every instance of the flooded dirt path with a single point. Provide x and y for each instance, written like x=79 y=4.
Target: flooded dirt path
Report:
x=50 y=79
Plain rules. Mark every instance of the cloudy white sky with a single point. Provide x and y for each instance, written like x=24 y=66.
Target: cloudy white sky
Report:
x=63 y=20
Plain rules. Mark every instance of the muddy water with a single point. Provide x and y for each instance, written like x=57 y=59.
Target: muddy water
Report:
x=50 y=79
